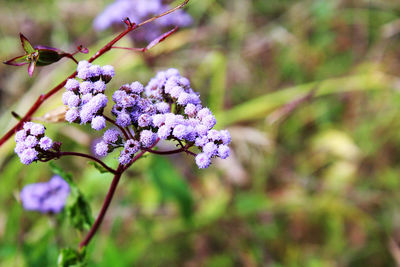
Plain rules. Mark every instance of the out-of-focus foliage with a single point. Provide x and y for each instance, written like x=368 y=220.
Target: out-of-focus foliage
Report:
x=310 y=92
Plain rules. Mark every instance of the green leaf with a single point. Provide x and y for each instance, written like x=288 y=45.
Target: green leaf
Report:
x=172 y=185
x=100 y=168
x=66 y=176
x=77 y=209
x=26 y=45
x=69 y=257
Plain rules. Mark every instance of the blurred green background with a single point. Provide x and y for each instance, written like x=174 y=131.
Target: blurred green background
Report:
x=309 y=90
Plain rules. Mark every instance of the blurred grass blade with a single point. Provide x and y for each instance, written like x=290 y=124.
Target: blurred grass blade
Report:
x=261 y=106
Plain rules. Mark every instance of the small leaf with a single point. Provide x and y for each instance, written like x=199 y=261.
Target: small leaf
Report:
x=66 y=176
x=26 y=45
x=17 y=61
x=69 y=257
x=77 y=209
x=100 y=168
x=161 y=38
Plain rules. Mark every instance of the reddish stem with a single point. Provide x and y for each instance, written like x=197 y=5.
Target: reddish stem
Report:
x=119 y=127
x=104 y=208
x=88 y=157
x=107 y=201
x=99 y=53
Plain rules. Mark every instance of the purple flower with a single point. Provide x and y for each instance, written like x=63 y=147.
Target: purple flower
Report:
x=107 y=73
x=132 y=146
x=223 y=151
x=45 y=143
x=20 y=136
x=176 y=91
x=86 y=98
x=144 y=120
x=73 y=101
x=19 y=148
x=209 y=121
x=210 y=149
x=31 y=141
x=101 y=149
x=28 y=125
x=203 y=160
x=111 y=136
x=98 y=123
x=83 y=64
x=158 y=120
x=201 y=141
x=147 y=138
x=28 y=156
x=191 y=110
x=214 y=135
x=179 y=131
x=183 y=81
x=99 y=87
x=137 y=87
x=34 y=145
x=162 y=107
x=37 y=129
x=71 y=115
x=123 y=120
x=225 y=136
x=124 y=158
x=163 y=132
x=203 y=113
x=72 y=85
x=184 y=98
x=47 y=197
x=86 y=87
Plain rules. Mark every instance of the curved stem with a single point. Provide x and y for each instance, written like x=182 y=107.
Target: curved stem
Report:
x=88 y=157
x=119 y=127
x=104 y=208
x=166 y=152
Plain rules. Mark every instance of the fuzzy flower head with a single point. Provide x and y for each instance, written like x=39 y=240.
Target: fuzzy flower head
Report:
x=86 y=99
x=49 y=197
x=167 y=108
x=32 y=144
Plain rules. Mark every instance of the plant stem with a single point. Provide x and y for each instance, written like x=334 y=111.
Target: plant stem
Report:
x=99 y=53
x=119 y=127
x=88 y=157
x=107 y=200
x=104 y=208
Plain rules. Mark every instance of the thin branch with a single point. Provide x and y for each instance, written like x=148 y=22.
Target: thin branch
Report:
x=88 y=157
x=168 y=152
x=104 y=208
x=151 y=44
x=119 y=127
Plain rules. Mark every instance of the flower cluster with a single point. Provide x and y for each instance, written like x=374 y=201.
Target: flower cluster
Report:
x=46 y=197
x=146 y=111
x=139 y=10
x=31 y=143
x=86 y=100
